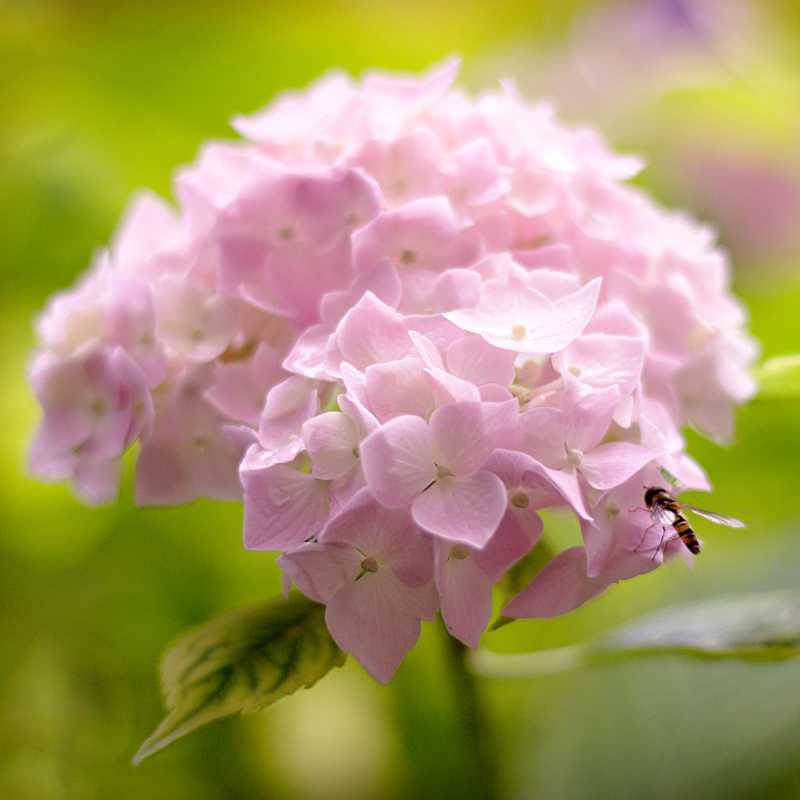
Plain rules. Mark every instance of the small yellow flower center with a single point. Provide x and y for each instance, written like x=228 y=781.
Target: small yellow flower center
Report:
x=574 y=457
x=519 y=499
x=369 y=564
x=442 y=472
x=200 y=442
x=518 y=331
x=459 y=551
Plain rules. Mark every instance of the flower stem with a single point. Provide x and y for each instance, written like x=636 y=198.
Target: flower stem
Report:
x=472 y=720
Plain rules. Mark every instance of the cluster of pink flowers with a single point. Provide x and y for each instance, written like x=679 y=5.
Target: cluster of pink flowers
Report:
x=398 y=322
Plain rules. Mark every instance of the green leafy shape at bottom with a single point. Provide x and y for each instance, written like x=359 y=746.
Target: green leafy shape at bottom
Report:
x=243 y=660
x=762 y=626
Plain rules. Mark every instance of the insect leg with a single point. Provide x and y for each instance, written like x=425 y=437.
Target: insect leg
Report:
x=661 y=545
x=636 y=549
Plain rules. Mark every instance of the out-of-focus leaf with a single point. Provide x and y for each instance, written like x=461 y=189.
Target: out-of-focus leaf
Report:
x=764 y=626
x=757 y=627
x=520 y=575
x=779 y=377
x=524 y=571
x=242 y=661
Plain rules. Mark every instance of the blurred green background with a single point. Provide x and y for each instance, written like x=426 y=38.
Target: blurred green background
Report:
x=100 y=98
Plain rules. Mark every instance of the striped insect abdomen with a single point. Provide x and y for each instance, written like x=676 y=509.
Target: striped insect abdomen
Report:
x=684 y=530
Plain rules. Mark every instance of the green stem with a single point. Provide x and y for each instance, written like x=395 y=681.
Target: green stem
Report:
x=472 y=720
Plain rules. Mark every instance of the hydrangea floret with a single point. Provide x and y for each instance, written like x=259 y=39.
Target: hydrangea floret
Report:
x=397 y=322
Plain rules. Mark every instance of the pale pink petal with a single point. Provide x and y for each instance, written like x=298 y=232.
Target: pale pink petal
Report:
x=526 y=479
x=298 y=274
x=407 y=168
x=610 y=464
x=466 y=433
x=602 y=360
x=446 y=388
x=423 y=233
x=561 y=586
x=309 y=355
x=463 y=508
x=193 y=320
x=427 y=292
x=388 y=534
x=422 y=92
x=331 y=440
x=588 y=420
x=369 y=618
x=475 y=360
x=148 y=225
x=371 y=333
x=382 y=280
x=365 y=421
x=465 y=591
x=291 y=116
x=510 y=543
x=398 y=460
x=542 y=433
x=320 y=570
x=399 y=387
x=240 y=388
x=282 y=507
x=524 y=320
x=568 y=484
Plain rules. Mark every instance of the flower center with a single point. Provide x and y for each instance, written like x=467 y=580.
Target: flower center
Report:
x=518 y=331
x=519 y=499
x=459 y=551
x=574 y=457
x=200 y=442
x=369 y=564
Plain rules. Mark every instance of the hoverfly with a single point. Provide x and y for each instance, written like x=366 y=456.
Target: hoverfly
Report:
x=666 y=510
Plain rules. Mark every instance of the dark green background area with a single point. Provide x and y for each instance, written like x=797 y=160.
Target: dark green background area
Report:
x=99 y=99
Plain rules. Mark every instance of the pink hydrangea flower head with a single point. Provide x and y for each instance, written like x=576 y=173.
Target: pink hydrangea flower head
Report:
x=398 y=323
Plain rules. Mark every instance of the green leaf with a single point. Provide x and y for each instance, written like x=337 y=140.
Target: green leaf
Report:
x=520 y=575
x=524 y=571
x=757 y=627
x=764 y=626
x=779 y=377
x=242 y=661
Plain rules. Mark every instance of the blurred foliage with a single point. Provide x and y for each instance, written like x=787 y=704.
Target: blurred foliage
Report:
x=100 y=98
x=243 y=660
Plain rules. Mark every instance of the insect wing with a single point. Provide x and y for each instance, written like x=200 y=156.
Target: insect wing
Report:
x=662 y=516
x=720 y=519
x=671 y=479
